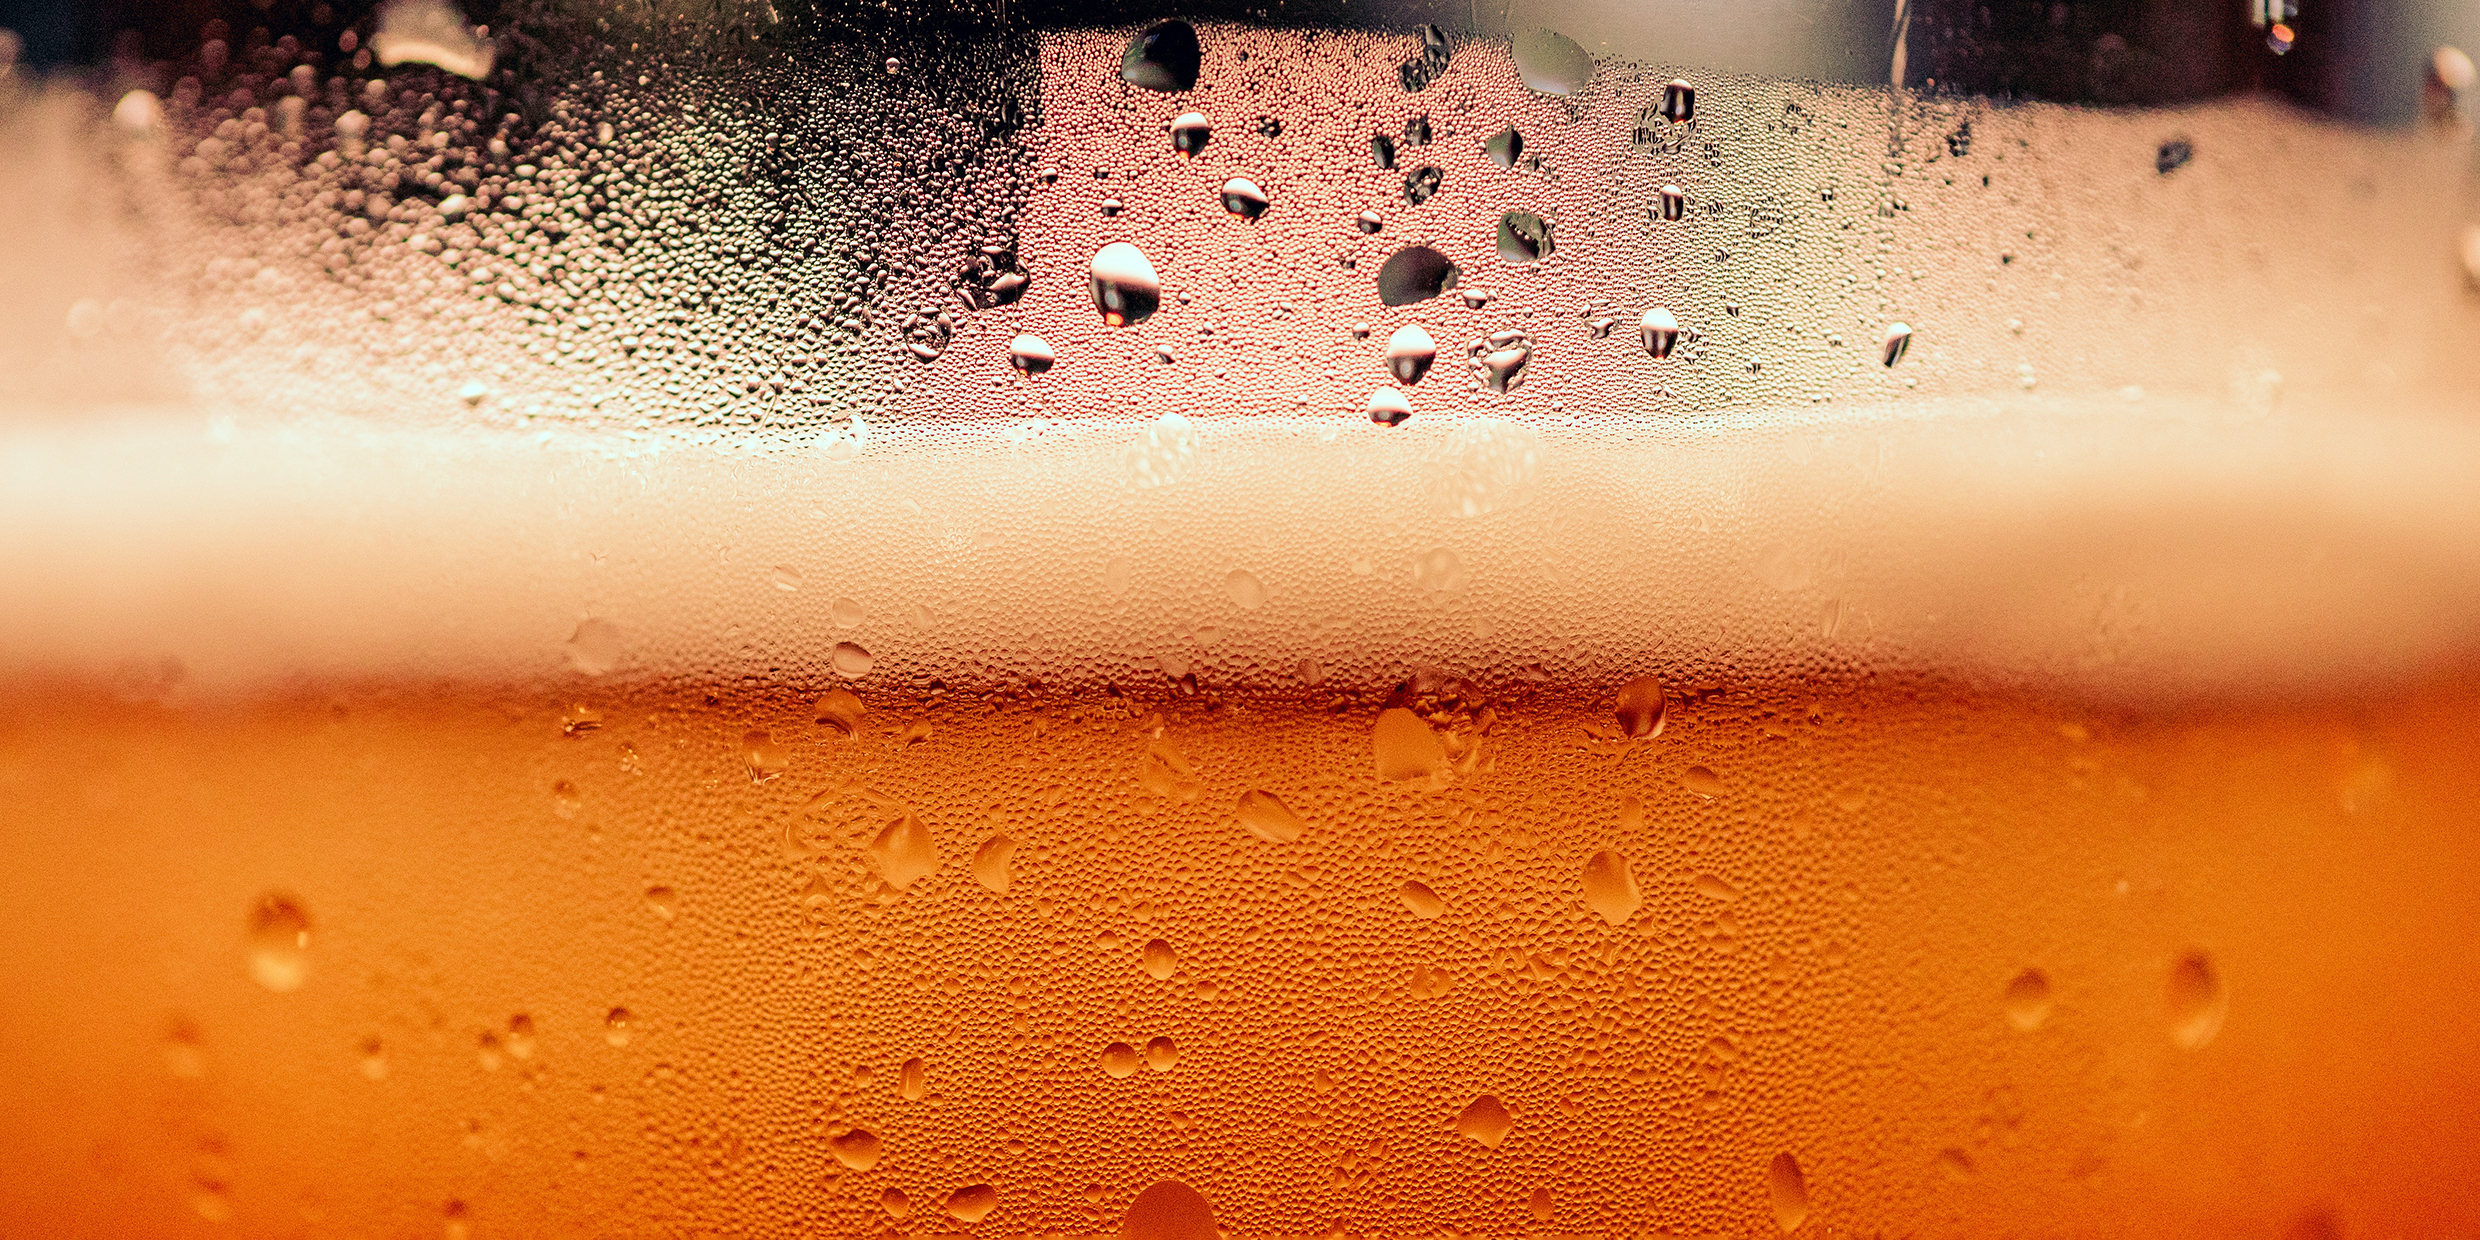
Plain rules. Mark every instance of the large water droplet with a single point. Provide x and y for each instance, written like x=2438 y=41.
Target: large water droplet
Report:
x=1485 y=1120
x=841 y=710
x=850 y=661
x=1788 y=1190
x=1243 y=198
x=1610 y=887
x=663 y=902
x=1159 y=960
x=1702 y=781
x=974 y=1202
x=1119 y=1060
x=1265 y=816
x=765 y=756
x=1125 y=288
x=1163 y=57
x=1382 y=150
x=2197 y=1003
x=1504 y=147
x=858 y=1149
x=1409 y=352
x=1421 y=184
x=616 y=1024
x=2027 y=1000
x=913 y=1081
x=1671 y=203
x=1552 y=63
x=1417 y=896
x=1031 y=354
x=594 y=648
x=1642 y=707
x=1498 y=359
x=1659 y=332
x=1161 y=1054
x=1190 y=132
x=1246 y=591
x=990 y=863
x=1678 y=101
x=1897 y=342
x=1388 y=407
x=1168 y=1210
x=903 y=852
x=1406 y=747
x=1523 y=237
x=1415 y=273
x=1369 y=222
x=279 y=938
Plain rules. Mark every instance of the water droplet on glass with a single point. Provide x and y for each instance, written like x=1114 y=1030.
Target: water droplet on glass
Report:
x=1190 y=132
x=1485 y=1120
x=974 y=1202
x=1417 y=73
x=1551 y=63
x=616 y=1026
x=850 y=661
x=1610 y=887
x=1702 y=781
x=1712 y=887
x=1125 y=287
x=1671 y=203
x=1031 y=354
x=2197 y=1003
x=765 y=756
x=1498 y=359
x=1898 y=341
x=903 y=852
x=858 y=1149
x=663 y=902
x=1438 y=573
x=1169 y=1210
x=1642 y=707
x=2173 y=155
x=1241 y=197
x=2027 y=1000
x=1388 y=407
x=1955 y=1163
x=1540 y=1205
x=594 y=648
x=1406 y=748
x=841 y=710
x=990 y=863
x=1418 y=897
x=1409 y=353
x=1678 y=101
x=895 y=1203
x=1369 y=222
x=1429 y=983
x=1382 y=150
x=1788 y=1190
x=1504 y=147
x=1659 y=332
x=1246 y=591
x=1161 y=1054
x=785 y=578
x=1265 y=816
x=1421 y=184
x=1415 y=273
x=1119 y=1059
x=912 y=1081
x=1163 y=57
x=1159 y=960
x=279 y=938
x=1523 y=237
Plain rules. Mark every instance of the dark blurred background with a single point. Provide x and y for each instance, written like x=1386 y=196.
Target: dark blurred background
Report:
x=2362 y=60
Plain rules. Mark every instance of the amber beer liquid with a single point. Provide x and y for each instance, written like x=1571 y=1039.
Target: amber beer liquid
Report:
x=843 y=659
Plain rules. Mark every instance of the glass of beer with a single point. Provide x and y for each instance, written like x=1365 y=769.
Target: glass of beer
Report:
x=1638 y=619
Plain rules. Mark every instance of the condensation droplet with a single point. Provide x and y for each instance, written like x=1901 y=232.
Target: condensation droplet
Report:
x=895 y=1203
x=1243 y=198
x=663 y=902
x=1485 y=1120
x=851 y=661
x=1246 y=591
x=1164 y=57
x=1552 y=63
x=1504 y=147
x=1788 y=1190
x=903 y=852
x=1702 y=781
x=1897 y=342
x=616 y=1026
x=1265 y=816
x=1499 y=359
x=594 y=648
x=1642 y=707
x=1119 y=1059
x=1031 y=354
x=1159 y=960
x=1369 y=222
x=2027 y=1000
x=1161 y=1054
x=858 y=1149
x=1658 y=331
x=1415 y=273
x=1610 y=887
x=765 y=756
x=972 y=1203
x=912 y=1081
x=1678 y=101
x=1424 y=902
x=1168 y=1210
x=2197 y=1003
x=1409 y=353
x=1406 y=747
x=841 y=710
x=990 y=863
x=1125 y=289
x=1524 y=237
x=1388 y=407
x=1190 y=132
x=785 y=577
x=1540 y=1205
x=279 y=939
x=1671 y=203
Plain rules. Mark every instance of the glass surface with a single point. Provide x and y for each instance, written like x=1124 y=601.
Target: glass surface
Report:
x=645 y=620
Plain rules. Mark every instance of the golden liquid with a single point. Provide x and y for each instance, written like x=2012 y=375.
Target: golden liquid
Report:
x=1900 y=959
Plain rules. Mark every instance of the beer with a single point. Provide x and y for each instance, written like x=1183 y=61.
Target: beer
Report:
x=1046 y=636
